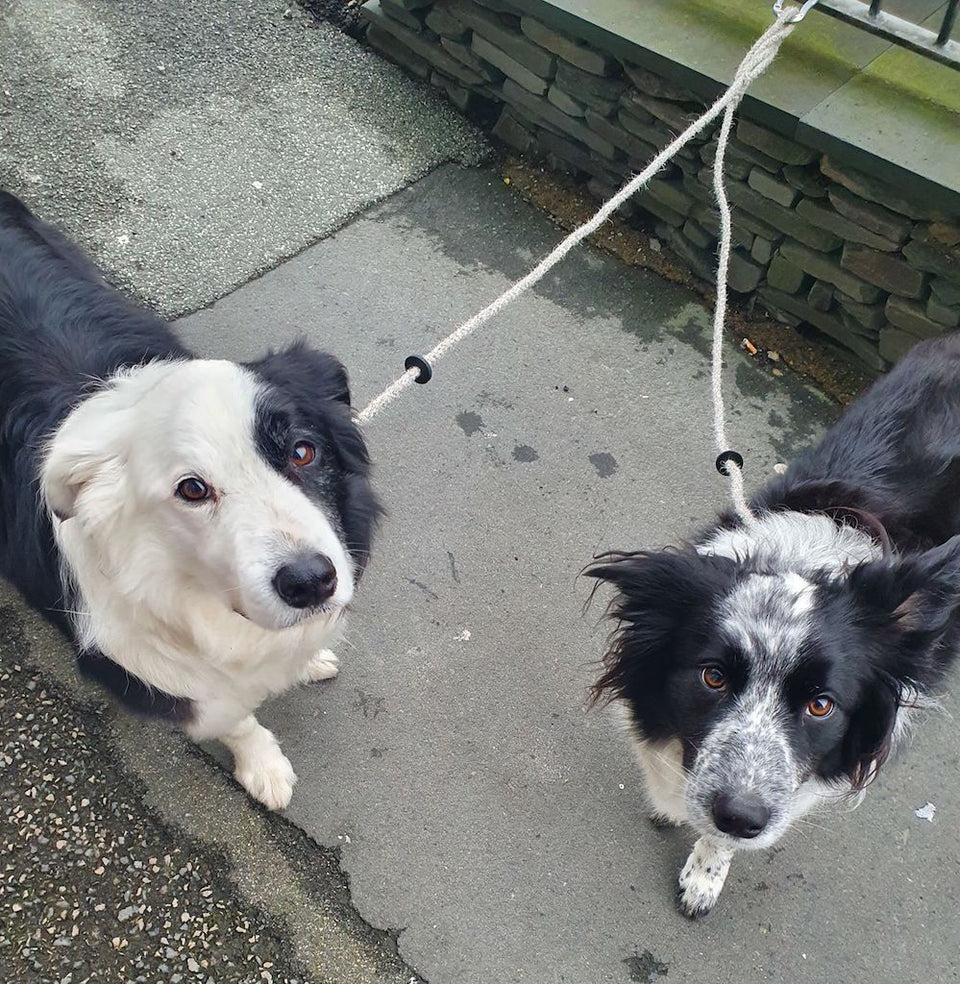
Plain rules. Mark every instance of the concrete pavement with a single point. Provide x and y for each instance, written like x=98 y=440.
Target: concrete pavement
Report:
x=488 y=812
x=482 y=814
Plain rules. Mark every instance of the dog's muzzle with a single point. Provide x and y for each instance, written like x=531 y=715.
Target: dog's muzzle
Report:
x=306 y=581
x=743 y=814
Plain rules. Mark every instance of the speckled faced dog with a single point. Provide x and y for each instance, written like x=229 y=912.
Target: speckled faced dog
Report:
x=768 y=668
x=200 y=525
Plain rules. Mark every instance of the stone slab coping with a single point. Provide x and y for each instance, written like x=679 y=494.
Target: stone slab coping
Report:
x=858 y=98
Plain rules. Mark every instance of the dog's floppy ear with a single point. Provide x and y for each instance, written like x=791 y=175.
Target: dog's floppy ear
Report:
x=906 y=605
x=913 y=597
x=71 y=463
x=659 y=595
x=868 y=740
x=305 y=374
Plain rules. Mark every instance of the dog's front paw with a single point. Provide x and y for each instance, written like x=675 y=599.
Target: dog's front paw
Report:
x=268 y=777
x=702 y=878
x=324 y=666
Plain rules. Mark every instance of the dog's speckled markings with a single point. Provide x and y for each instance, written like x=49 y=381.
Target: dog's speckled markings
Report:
x=773 y=665
x=702 y=877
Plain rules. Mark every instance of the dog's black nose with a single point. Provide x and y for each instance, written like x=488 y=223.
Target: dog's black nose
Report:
x=307 y=581
x=740 y=814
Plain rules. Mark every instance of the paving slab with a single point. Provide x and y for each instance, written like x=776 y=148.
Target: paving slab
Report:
x=704 y=42
x=833 y=85
x=900 y=110
x=194 y=145
x=479 y=806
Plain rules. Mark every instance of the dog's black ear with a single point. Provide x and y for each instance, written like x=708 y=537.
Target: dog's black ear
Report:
x=305 y=373
x=913 y=597
x=908 y=607
x=317 y=385
x=659 y=595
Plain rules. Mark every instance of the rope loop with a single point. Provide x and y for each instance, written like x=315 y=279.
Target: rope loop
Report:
x=424 y=369
x=418 y=369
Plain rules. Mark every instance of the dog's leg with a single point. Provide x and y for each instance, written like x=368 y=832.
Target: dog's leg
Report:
x=665 y=782
x=660 y=821
x=702 y=877
x=323 y=666
x=258 y=763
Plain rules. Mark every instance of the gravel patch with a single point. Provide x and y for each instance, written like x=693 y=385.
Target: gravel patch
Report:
x=344 y=14
x=93 y=887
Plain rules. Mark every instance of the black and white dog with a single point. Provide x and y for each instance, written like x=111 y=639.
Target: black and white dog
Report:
x=772 y=666
x=196 y=527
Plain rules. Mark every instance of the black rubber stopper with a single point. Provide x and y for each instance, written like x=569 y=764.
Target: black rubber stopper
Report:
x=419 y=362
x=727 y=456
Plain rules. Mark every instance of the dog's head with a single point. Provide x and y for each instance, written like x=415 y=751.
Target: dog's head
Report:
x=774 y=681
x=245 y=484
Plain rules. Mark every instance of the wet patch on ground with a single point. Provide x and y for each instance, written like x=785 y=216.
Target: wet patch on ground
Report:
x=604 y=462
x=645 y=967
x=469 y=422
x=525 y=453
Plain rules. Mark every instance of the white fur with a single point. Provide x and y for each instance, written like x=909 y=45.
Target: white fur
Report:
x=662 y=765
x=325 y=665
x=793 y=541
x=767 y=615
x=702 y=877
x=180 y=594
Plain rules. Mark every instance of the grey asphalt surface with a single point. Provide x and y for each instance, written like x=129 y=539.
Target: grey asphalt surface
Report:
x=194 y=145
x=483 y=815
x=488 y=812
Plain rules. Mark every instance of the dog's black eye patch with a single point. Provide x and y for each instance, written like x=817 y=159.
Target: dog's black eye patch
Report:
x=272 y=432
x=732 y=661
x=810 y=677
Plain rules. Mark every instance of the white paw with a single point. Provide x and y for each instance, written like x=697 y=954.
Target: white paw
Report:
x=267 y=777
x=324 y=666
x=702 y=878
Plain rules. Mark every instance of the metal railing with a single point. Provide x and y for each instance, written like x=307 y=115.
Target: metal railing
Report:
x=936 y=45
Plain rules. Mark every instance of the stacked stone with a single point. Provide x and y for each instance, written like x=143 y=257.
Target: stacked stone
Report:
x=819 y=244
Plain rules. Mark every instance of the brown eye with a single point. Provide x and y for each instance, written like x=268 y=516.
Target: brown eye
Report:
x=820 y=707
x=713 y=677
x=302 y=454
x=194 y=490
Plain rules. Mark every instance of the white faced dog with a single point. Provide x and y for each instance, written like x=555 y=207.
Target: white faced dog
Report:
x=200 y=525
x=770 y=667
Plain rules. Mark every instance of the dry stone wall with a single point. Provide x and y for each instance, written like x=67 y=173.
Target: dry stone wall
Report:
x=818 y=243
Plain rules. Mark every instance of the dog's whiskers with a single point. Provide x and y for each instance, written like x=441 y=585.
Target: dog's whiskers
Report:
x=816 y=826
